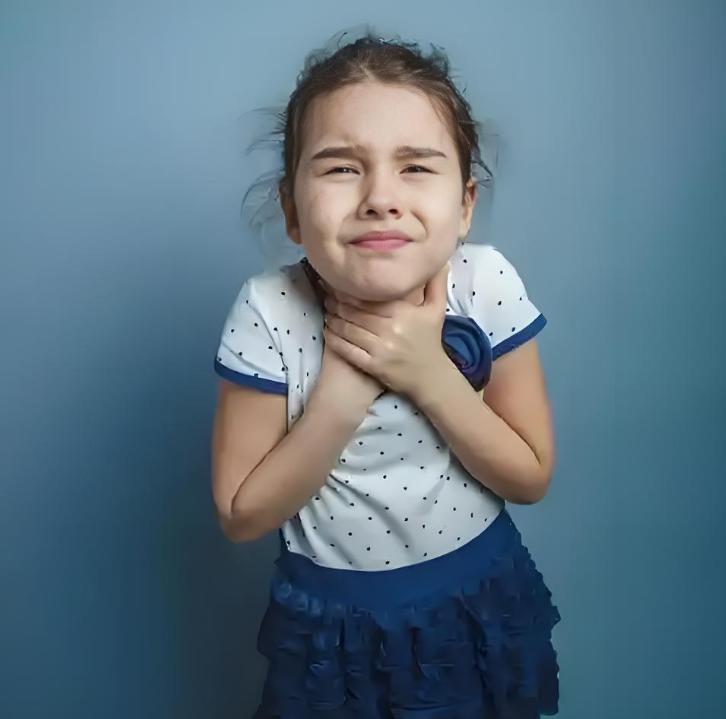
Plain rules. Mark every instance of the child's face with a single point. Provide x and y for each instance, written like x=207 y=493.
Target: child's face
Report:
x=378 y=191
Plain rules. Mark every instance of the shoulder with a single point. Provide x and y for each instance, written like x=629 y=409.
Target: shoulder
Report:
x=496 y=297
x=487 y=263
x=487 y=277
x=266 y=290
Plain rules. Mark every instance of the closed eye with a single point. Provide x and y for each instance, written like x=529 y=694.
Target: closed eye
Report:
x=335 y=169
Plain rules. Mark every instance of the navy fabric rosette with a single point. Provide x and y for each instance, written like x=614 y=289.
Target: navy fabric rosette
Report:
x=469 y=349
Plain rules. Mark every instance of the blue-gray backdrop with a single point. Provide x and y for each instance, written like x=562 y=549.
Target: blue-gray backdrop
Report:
x=122 y=248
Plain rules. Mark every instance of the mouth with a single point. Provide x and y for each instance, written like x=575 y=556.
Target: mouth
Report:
x=386 y=240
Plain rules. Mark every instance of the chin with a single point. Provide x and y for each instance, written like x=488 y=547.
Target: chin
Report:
x=384 y=294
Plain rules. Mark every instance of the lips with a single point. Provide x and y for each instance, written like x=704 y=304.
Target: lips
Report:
x=382 y=236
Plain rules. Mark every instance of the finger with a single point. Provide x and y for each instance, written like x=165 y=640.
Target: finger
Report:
x=359 y=337
x=350 y=300
x=436 y=287
x=347 y=350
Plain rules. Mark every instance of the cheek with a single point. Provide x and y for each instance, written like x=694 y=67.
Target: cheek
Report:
x=324 y=209
x=438 y=203
x=441 y=220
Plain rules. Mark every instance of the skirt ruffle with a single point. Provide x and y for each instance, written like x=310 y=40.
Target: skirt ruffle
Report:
x=479 y=650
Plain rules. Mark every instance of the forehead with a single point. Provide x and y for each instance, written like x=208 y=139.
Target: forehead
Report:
x=376 y=115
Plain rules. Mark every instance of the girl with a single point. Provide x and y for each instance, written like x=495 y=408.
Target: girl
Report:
x=382 y=399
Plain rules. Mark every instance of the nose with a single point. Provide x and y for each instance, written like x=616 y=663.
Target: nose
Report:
x=379 y=196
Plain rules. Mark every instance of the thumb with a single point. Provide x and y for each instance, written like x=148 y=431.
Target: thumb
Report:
x=435 y=289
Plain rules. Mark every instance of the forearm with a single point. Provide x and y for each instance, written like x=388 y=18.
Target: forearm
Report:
x=294 y=470
x=490 y=450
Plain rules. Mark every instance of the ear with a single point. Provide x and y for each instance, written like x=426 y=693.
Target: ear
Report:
x=292 y=226
x=467 y=207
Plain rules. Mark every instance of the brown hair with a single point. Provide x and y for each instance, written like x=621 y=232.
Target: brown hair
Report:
x=371 y=58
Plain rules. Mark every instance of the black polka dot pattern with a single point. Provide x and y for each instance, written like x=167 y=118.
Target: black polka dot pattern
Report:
x=396 y=495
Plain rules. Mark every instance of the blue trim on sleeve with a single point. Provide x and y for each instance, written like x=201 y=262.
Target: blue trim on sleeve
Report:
x=266 y=385
x=520 y=337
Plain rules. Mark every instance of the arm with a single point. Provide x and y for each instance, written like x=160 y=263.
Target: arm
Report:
x=505 y=441
x=293 y=471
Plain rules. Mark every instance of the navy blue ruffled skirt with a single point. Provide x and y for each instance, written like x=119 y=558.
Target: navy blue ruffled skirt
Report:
x=463 y=636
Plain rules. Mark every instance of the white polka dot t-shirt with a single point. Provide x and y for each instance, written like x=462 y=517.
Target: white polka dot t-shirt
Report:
x=397 y=495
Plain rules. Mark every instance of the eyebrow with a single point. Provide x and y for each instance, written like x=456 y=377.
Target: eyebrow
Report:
x=354 y=151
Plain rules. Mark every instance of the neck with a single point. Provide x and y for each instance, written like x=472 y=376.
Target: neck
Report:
x=414 y=297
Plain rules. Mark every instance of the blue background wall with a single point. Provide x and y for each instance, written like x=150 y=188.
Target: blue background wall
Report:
x=122 y=248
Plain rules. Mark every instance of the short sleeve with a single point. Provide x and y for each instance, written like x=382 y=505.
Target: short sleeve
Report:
x=249 y=351
x=499 y=300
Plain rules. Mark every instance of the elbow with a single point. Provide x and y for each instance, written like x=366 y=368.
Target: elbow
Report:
x=538 y=488
x=232 y=530
x=530 y=495
x=245 y=526
x=539 y=484
x=237 y=522
x=535 y=495
x=239 y=529
x=532 y=489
